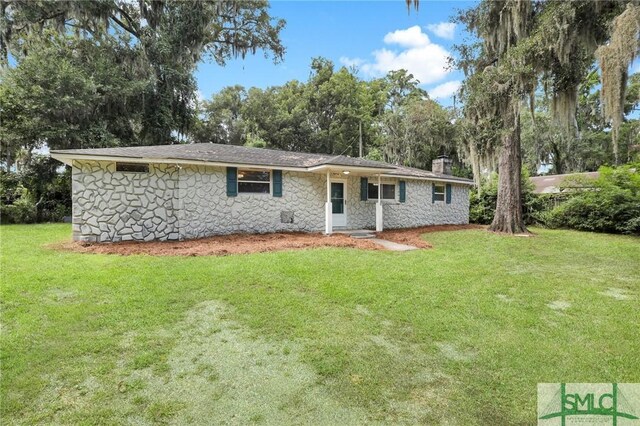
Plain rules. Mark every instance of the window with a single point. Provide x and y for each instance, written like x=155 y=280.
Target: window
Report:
x=254 y=181
x=438 y=192
x=388 y=191
x=132 y=167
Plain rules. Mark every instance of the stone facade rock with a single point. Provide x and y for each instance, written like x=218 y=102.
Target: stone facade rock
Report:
x=173 y=202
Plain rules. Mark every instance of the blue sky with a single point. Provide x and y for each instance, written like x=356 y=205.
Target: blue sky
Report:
x=377 y=36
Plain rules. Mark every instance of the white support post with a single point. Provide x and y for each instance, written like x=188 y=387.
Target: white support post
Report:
x=328 y=208
x=379 y=220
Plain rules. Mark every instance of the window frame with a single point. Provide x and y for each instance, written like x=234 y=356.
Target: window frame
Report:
x=395 y=193
x=437 y=194
x=240 y=180
x=145 y=166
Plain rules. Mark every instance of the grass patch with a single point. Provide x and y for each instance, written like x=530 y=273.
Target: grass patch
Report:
x=461 y=333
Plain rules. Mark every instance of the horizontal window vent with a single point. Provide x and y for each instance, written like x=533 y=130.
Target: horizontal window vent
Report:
x=132 y=167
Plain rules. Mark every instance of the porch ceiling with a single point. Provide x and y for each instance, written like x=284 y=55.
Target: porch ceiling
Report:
x=350 y=170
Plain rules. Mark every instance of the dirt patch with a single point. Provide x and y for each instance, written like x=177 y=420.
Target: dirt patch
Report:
x=559 y=305
x=505 y=298
x=412 y=236
x=220 y=245
x=616 y=293
x=219 y=372
x=453 y=353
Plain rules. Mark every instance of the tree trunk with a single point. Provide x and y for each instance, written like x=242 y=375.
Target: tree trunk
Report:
x=558 y=161
x=508 y=217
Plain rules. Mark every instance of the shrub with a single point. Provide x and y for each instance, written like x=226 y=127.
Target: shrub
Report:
x=21 y=210
x=39 y=192
x=482 y=207
x=610 y=204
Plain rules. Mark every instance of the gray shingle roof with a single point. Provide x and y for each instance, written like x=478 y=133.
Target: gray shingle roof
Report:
x=234 y=154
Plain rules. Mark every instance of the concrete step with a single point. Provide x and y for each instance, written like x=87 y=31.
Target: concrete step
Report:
x=362 y=235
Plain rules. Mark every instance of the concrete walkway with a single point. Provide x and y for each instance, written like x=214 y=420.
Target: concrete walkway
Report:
x=390 y=245
x=370 y=235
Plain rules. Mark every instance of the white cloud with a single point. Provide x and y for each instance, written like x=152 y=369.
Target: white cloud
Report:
x=427 y=61
x=351 y=62
x=411 y=37
x=443 y=29
x=445 y=90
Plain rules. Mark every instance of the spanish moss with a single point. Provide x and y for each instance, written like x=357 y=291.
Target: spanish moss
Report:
x=615 y=59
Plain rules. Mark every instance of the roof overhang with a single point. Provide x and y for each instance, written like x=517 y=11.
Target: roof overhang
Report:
x=429 y=178
x=323 y=168
x=68 y=159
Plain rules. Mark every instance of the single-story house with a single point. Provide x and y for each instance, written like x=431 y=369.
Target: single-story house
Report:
x=176 y=192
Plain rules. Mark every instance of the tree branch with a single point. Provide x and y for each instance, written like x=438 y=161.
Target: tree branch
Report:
x=125 y=27
x=130 y=21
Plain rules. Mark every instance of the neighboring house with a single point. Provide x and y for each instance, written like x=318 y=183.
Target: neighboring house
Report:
x=554 y=184
x=175 y=192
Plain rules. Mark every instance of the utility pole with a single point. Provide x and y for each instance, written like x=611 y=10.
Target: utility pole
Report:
x=360 y=139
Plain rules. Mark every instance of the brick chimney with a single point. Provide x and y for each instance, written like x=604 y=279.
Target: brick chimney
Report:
x=441 y=165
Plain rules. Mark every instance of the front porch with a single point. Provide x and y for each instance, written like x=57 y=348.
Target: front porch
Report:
x=340 y=201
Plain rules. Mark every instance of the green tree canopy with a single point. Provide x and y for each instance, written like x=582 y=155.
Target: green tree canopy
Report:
x=156 y=43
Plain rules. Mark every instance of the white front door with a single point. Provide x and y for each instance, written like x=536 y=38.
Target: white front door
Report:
x=338 y=203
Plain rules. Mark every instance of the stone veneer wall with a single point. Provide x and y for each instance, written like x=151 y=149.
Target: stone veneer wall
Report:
x=360 y=214
x=206 y=208
x=179 y=202
x=420 y=210
x=417 y=210
x=116 y=206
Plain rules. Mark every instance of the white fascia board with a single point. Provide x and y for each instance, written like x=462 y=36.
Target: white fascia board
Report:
x=66 y=160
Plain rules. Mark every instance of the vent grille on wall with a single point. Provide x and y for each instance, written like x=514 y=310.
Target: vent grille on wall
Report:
x=286 y=217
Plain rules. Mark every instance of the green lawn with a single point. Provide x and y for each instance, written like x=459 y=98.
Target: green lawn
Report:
x=461 y=333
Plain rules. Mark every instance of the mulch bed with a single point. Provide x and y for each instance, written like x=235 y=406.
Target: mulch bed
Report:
x=412 y=236
x=222 y=245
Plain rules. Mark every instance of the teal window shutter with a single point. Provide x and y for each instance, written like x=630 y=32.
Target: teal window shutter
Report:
x=364 y=188
x=448 y=193
x=232 y=181
x=403 y=191
x=433 y=192
x=277 y=183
